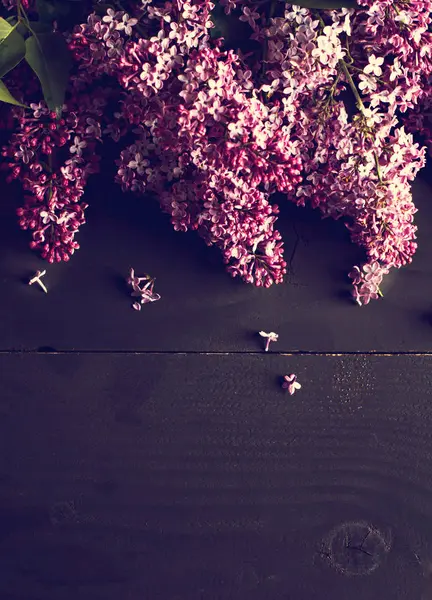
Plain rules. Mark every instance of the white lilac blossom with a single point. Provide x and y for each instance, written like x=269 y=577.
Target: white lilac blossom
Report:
x=214 y=134
x=374 y=65
x=37 y=278
x=269 y=337
x=291 y=384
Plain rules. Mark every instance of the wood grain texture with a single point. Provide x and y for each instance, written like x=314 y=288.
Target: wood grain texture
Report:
x=174 y=477
x=202 y=308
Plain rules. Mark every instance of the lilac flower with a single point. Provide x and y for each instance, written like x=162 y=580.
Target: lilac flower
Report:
x=65 y=217
x=271 y=337
x=78 y=146
x=115 y=48
x=112 y=17
x=404 y=17
x=139 y=163
x=297 y=14
x=270 y=89
x=366 y=282
x=53 y=210
x=367 y=83
x=93 y=128
x=126 y=24
x=68 y=172
x=395 y=70
x=24 y=153
x=324 y=50
x=249 y=16
x=291 y=384
x=38 y=110
x=218 y=133
x=374 y=65
x=47 y=217
x=142 y=288
x=328 y=50
x=37 y=278
x=215 y=87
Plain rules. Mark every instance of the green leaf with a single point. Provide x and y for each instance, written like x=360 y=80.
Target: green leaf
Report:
x=12 y=47
x=49 y=57
x=6 y=96
x=326 y=4
x=5 y=28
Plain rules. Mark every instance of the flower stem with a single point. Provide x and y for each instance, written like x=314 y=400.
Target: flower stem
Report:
x=377 y=166
x=359 y=102
x=265 y=48
x=345 y=70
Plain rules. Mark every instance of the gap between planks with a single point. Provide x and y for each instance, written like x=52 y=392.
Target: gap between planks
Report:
x=215 y=353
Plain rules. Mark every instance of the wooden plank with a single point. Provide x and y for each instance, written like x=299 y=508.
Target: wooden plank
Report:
x=197 y=478
x=202 y=308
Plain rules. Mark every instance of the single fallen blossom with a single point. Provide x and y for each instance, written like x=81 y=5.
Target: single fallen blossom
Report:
x=38 y=279
x=271 y=337
x=291 y=384
x=142 y=288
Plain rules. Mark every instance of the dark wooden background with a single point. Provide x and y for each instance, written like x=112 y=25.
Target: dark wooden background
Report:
x=154 y=455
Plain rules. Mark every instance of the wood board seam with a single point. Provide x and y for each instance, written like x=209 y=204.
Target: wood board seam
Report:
x=214 y=353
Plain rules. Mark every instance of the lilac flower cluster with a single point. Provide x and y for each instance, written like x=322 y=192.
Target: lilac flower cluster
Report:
x=206 y=145
x=53 y=158
x=359 y=168
x=323 y=112
x=367 y=281
x=223 y=154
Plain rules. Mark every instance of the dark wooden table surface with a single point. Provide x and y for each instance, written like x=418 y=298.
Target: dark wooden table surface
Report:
x=154 y=455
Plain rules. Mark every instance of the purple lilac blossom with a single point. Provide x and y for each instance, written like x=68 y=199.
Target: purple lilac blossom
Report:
x=217 y=133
